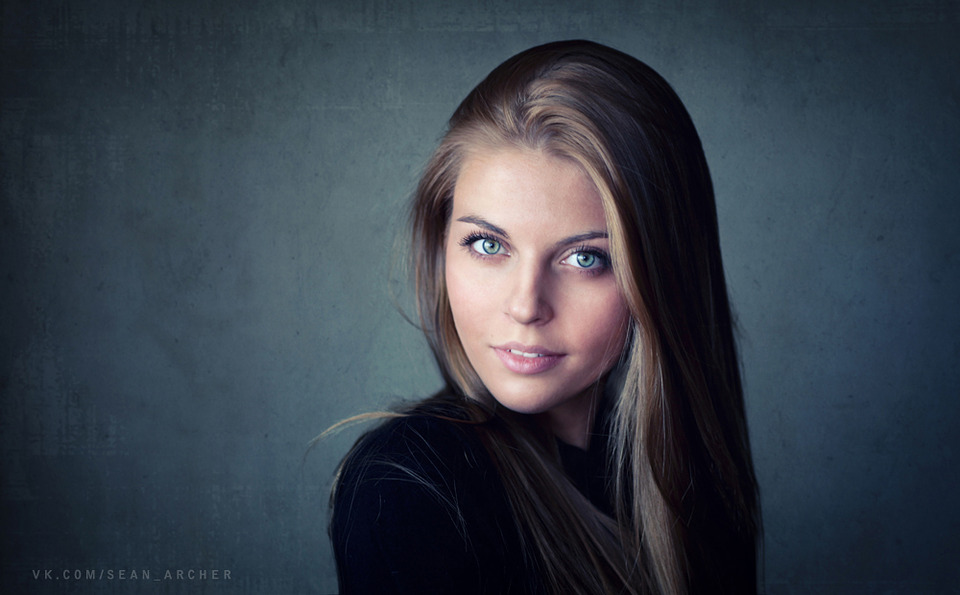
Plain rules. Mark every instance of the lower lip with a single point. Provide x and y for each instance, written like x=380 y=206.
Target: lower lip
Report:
x=527 y=365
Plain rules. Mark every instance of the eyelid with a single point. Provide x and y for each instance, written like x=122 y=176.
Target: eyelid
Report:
x=475 y=235
x=588 y=249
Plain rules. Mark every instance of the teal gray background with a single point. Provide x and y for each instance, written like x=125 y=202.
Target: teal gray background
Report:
x=199 y=204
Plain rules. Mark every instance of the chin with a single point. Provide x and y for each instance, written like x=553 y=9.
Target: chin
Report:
x=526 y=402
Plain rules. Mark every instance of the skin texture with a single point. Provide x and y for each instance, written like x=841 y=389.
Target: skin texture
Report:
x=527 y=269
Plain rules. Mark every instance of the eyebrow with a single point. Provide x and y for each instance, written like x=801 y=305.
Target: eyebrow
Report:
x=481 y=222
x=575 y=239
x=583 y=237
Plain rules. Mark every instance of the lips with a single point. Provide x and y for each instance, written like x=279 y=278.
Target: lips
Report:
x=524 y=359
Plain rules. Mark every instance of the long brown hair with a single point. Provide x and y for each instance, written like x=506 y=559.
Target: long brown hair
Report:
x=686 y=501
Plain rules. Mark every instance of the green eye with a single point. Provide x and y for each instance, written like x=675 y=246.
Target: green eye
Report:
x=586 y=260
x=487 y=246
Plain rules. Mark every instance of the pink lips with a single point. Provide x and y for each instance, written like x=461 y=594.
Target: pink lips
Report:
x=524 y=359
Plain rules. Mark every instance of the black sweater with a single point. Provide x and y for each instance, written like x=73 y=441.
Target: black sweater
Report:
x=420 y=508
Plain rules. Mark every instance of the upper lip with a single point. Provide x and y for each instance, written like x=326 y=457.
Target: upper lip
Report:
x=538 y=349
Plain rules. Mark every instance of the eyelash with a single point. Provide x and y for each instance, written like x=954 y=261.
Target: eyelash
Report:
x=601 y=255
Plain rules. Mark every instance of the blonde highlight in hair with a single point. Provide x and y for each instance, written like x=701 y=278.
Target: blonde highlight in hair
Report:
x=686 y=504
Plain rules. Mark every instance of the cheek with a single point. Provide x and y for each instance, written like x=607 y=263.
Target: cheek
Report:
x=469 y=300
x=606 y=330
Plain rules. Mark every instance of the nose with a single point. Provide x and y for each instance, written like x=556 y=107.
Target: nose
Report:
x=527 y=300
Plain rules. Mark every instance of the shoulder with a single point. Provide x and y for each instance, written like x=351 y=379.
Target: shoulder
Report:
x=420 y=444
x=419 y=462
x=419 y=507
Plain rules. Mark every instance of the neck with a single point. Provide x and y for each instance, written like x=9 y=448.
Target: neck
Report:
x=572 y=421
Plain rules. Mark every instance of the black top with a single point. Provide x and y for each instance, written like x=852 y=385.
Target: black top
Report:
x=420 y=508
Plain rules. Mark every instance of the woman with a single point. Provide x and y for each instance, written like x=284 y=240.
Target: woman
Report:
x=590 y=436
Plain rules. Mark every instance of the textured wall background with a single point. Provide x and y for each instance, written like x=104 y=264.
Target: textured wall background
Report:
x=198 y=204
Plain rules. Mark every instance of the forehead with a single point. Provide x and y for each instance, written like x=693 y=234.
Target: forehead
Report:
x=523 y=186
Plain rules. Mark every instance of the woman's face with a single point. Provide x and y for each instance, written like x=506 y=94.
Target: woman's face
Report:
x=534 y=300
